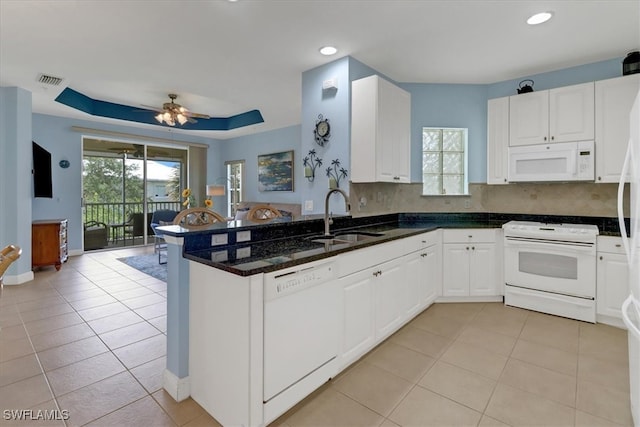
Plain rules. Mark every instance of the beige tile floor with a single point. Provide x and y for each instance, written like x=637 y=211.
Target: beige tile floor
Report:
x=90 y=340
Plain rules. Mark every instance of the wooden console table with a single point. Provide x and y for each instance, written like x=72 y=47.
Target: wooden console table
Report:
x=49 y=242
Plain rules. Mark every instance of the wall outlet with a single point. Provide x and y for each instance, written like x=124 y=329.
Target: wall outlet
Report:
x=243 y=252
x=220 y=256
x=219 y=239
x=308 y=205
x=243 y=236
x=467 y=204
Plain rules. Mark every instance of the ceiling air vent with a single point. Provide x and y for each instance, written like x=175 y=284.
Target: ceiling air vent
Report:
x=49 y=80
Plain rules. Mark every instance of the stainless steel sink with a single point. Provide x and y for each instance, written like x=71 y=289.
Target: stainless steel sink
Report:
x=347 y=237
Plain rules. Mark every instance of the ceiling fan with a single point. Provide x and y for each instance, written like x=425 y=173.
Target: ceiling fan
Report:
x=170 y=113
x=138 y=151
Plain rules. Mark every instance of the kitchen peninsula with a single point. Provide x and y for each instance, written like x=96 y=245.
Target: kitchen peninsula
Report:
x=261 y=315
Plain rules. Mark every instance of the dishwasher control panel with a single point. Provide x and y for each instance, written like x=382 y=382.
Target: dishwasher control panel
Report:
x=288 y=282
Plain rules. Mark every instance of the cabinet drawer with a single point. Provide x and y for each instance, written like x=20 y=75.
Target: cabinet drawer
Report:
x=610 y=244
x=431 y=238
x=468 y=235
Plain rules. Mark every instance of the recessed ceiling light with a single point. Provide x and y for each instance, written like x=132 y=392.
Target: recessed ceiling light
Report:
x=539 y=18
x=328 y=50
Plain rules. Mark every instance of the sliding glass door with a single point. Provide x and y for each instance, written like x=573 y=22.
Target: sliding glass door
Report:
x=123 y=184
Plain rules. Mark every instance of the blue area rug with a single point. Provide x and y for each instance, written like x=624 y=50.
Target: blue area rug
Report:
x=147 y=264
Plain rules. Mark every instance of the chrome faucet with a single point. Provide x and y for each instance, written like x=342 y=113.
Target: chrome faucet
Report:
x=327 y=220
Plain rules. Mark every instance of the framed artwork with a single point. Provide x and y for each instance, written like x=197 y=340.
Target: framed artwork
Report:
x=275 y=171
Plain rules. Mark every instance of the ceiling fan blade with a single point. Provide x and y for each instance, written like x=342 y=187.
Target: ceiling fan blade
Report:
x=198 y=115
x=149 y=107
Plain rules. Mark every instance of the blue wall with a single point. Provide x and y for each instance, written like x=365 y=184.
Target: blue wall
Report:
x=55 y=135
x=452 y=105
x=248 y=148
x=333 y=104
x=460 y=106
x=565 y=77
x=15 y=178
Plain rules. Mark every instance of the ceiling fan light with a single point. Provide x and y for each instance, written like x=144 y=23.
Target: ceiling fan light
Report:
x=181 y=119
x=159 y=117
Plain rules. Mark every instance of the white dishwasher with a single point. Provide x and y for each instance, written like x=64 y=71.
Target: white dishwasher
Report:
x=301 y=325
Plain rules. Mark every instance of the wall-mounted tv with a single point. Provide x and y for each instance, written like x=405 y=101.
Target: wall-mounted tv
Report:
x=42 y=182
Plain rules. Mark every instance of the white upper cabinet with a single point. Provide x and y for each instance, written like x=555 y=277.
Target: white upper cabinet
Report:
x=557 y=115
x=497 y=140
x=614 y=98
x=380 y=131
x=529 y=118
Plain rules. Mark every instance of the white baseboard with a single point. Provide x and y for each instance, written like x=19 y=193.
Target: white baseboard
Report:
x=497 y=298
x=75 y=252
x=611 y=321
x=178 y=388
x=19 y=279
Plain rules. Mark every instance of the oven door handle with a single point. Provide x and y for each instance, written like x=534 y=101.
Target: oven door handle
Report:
x=570 y=247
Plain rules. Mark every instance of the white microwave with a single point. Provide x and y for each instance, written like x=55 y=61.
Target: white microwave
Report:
x=563 y=161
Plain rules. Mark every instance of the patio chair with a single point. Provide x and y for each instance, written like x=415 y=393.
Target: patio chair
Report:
x=96 y=235
x=161 y=217
x=134 y=226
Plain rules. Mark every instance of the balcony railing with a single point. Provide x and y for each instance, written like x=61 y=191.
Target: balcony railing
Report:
x=112 y=213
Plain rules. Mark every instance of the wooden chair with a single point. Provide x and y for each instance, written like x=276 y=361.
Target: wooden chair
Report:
x=196 y=218
x=262 y=213
x=7 y=256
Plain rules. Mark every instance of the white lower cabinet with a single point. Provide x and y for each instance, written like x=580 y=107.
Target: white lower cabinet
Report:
x=424 y=278
x=358 y=316
x=472 y=263
x=390 y=289
x=612 y=280
x=379 y=299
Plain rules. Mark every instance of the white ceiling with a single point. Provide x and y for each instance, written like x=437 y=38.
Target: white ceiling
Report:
x=223 y=58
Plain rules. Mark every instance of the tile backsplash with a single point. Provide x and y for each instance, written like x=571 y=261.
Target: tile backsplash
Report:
x=581 y=199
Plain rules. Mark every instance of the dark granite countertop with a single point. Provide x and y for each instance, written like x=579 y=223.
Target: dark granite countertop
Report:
x=279 y=245
x=250 y=258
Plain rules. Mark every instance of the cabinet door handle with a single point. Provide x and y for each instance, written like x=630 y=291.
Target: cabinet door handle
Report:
x=553 y=138
x=467 y=247
x=599 y=178
x=618 y=245
x=601 y=258
x=545 y=138
x=473 y=248
x=424 y=255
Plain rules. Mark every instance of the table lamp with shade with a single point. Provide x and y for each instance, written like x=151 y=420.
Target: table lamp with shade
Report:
x=215 y=190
